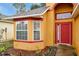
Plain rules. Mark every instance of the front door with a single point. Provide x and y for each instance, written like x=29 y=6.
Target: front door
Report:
x=63 y=33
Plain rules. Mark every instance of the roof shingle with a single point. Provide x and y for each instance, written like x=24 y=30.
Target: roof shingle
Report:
x=32 y=13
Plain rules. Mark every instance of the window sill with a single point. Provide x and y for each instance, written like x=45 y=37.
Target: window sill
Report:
x=28 y=41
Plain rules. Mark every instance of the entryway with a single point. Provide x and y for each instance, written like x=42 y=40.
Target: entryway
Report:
x=63 y=32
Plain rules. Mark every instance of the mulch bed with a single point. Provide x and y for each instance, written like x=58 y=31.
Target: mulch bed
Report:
x=60 y=50
x=18 y=52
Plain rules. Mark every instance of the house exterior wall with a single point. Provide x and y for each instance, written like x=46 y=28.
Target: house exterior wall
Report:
x=6 y=35
x=47 y=30
x=77 y=34
x=50 y=30
x=28 y=46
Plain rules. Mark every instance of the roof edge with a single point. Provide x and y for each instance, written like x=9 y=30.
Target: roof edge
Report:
x=75 y=10
x=27 y=15
x=6 y=21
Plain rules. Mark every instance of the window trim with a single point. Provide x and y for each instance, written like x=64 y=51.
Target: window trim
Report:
x=22 y=30
x=36 y=30
x=62 y=13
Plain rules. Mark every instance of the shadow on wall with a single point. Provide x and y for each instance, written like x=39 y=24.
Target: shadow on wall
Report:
x=3 y=34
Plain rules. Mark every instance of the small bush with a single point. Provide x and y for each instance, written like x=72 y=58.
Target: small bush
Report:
x=2 y=49
x=5 y=45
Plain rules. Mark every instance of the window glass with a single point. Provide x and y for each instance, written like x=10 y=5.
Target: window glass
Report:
x=21 y=30
x=36 y=35
x=63 y=16
x=36 y=26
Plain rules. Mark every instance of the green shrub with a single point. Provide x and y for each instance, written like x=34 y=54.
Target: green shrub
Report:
x=5 y=45
x=2 y=49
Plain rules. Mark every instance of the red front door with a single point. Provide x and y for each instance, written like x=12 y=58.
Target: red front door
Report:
x=63 y=33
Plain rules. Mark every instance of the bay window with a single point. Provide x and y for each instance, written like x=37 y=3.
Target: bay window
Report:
x=22 y=28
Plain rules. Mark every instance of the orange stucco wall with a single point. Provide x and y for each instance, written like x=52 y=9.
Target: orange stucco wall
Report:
x=77 y=34
x=50 y=22
x=28 y=46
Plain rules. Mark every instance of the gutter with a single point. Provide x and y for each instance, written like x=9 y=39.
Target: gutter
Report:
x=6 y=21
